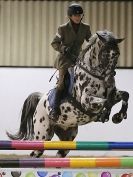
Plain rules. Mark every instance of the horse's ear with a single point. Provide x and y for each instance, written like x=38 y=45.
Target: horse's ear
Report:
x=119 y=40
x=102 y=38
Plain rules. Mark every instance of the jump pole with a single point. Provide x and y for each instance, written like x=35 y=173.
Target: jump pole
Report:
x=98 y=162
x=71 y=145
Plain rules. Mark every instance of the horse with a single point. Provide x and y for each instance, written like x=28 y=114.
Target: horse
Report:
x=92 y=97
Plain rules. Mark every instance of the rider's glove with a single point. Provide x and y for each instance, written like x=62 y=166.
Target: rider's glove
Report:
x=68 y=53
x=65 y=50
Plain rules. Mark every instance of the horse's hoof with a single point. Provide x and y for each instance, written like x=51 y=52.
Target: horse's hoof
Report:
x=105 y=116
x=116 y=119
x=32 y=154
x=105 y=120
x=36 y=153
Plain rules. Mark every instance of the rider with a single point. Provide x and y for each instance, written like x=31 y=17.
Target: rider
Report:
x=68 y=42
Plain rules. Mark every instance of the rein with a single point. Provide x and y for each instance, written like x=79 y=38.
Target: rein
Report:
x=92 y=74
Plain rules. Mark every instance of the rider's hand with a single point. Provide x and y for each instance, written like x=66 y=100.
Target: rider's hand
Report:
x=65 y=50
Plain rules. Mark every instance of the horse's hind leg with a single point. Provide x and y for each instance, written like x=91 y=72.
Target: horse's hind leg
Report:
x=42 y=128
x=42 y=133
x=65 y=135
x=46 y=135
x=122 y=114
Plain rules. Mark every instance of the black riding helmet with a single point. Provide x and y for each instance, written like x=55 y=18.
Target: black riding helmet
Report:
x=74 y=9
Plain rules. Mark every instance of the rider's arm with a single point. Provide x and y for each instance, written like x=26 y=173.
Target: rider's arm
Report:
x=57 y=41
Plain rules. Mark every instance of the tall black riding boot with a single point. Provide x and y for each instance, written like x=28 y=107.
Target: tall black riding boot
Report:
x=55 y=112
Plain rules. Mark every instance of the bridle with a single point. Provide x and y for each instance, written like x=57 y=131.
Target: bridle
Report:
x=100 y=77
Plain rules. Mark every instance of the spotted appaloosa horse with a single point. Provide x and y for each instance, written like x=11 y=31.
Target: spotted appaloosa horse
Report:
x=93 y=95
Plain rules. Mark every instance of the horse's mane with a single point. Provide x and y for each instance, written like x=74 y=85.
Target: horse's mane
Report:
x=94 y=37
x=91 y=41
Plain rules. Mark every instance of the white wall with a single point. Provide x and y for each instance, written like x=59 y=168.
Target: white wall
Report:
x=17 y=83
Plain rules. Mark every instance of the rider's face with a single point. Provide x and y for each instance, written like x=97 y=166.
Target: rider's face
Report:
x=76 y=18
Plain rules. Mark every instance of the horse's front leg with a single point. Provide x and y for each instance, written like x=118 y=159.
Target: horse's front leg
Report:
x=112 y=99
x=65 y=135
x=122 y=114
x=103 y=116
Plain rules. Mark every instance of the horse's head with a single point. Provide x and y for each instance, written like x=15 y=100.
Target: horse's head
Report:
x=102 y=53
x=99 y=60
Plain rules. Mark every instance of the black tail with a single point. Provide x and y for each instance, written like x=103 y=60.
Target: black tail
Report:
x=26 y=125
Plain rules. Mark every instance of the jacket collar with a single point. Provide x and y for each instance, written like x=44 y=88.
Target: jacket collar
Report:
x=71 y=28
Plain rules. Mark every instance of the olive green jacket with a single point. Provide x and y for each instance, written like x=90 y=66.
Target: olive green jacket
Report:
x=66 y=37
